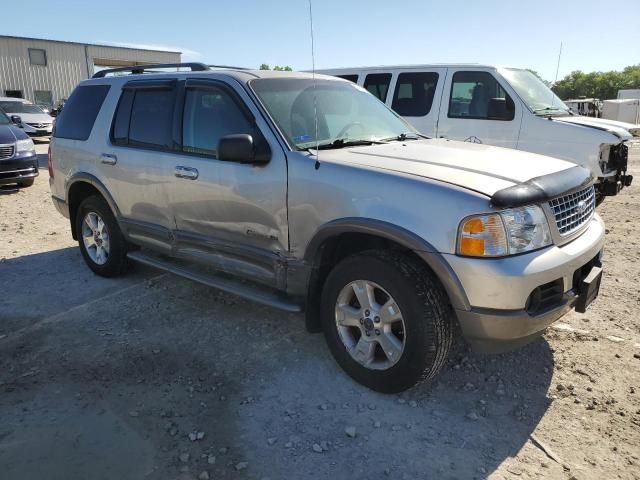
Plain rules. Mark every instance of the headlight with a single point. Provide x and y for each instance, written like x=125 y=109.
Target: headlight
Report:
x=25 y=145
x=511 y=231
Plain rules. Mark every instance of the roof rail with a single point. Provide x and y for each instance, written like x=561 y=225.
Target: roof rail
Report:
x=138 y=69
x=229 y=67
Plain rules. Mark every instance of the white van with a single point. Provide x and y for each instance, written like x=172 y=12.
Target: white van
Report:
x=507 y=107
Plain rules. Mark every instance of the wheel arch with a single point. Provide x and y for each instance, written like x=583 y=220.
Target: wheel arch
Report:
x=81 y=186
x=339 y=238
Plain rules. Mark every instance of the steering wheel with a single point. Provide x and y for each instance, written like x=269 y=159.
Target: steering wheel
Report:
x=348 y=127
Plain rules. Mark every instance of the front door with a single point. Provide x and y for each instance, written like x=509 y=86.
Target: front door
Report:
x=478 y=109
x=232 y=216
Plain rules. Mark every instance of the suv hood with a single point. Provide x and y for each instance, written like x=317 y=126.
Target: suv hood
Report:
x=481 y=168
x=622 y=130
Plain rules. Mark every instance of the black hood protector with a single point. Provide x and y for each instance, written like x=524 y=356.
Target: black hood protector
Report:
x=544 y=188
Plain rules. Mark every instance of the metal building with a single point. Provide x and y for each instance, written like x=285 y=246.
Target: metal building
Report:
x=46 y=71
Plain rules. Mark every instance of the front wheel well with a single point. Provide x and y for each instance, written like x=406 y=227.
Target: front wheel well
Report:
x=77 y=193
x=330 y=253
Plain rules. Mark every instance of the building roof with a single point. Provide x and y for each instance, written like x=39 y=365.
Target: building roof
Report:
x=103 y=45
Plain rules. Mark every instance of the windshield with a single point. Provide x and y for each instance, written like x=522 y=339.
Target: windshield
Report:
x=538 y=97
x=19 y=107
x=4 y=120
x=346 y=113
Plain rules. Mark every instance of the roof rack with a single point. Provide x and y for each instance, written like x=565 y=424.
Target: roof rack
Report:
x=138 y=69
x=229 y=67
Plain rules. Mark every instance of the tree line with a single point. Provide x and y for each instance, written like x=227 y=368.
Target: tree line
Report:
x=602 y=85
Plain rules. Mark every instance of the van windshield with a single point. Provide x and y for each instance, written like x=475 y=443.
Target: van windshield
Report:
x=347 y=114
x=538 y=97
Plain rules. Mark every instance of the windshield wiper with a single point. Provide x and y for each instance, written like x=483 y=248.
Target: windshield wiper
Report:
x=344 y=142
x=548 y=109
x=405 y=136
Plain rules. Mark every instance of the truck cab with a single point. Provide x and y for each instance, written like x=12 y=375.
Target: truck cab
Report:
x=501 y=106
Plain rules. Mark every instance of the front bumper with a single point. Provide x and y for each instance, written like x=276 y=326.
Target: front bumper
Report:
x=18 y=168
x=616 y=178
x=37 y=130
x=500 y=291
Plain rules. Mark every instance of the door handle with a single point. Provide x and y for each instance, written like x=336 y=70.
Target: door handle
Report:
x=186 y=172
x=108 y=159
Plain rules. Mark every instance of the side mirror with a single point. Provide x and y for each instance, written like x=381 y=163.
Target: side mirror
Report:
x=16 y=119
x=242 y=149
x=500 y=109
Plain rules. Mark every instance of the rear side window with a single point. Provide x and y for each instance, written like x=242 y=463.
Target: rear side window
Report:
x=144 y=117
x=80 y=111
x=414 y=93
x=378 y=84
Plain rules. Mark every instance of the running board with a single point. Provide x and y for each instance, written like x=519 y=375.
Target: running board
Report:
x=249 y=291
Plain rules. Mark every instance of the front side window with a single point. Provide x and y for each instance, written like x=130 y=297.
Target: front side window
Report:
x=414 y=93
x=210 y=114
x=378 y=84
x=478 y=95
x=37 y=56
x=335 y=110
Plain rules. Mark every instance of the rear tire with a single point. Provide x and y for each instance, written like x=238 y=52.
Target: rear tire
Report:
x=26 y=183
x=103 y=247
x=408 y=340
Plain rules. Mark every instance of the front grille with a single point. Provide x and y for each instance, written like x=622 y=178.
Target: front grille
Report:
x=39 y=125
x=573 y=210
x=6 y=151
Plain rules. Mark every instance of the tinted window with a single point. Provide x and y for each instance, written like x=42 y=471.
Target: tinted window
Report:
x=378 y=84
x=351 y=78
x=210 y=114
x=414 y=93
x=120 y=133
x=80 y=111
x=472 y=94
x=152 y=118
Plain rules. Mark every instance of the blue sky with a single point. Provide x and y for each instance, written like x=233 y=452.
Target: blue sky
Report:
x=351 y=32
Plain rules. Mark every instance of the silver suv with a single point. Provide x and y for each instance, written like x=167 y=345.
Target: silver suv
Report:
x=307 y=193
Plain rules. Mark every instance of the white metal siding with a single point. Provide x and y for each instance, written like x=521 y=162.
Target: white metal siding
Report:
x=66 y=64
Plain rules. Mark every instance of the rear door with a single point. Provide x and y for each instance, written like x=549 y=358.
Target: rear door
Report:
x=232 y=216
x=477 y=108
x=416 y=97
x=138 y=162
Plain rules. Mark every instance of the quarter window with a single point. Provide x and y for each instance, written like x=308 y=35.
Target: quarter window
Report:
x=37 y=56
x=210 y=114
x=414 y=93
x=478 y=95
x=80 y=111
x=378 y=84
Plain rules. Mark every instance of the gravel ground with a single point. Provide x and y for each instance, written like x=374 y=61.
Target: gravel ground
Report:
x=152 y=376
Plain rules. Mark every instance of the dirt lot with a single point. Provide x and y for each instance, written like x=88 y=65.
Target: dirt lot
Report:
x=152 y=376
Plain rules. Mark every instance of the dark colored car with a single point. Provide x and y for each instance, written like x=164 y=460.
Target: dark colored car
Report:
x=18 y=159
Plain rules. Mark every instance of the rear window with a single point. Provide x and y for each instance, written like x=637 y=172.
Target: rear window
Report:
x=80 y=111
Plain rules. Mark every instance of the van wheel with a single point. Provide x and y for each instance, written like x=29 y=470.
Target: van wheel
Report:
x=102 y=244
x=386 y=320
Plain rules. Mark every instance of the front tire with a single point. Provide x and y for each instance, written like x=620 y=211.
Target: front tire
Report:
x=103 y=247
x=386 y=320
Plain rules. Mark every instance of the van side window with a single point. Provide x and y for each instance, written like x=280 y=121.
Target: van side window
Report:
x=478 y=95
x=209 y=114
x=414 y=93
x=351 y=78
x=80 y=111
x=378 y=84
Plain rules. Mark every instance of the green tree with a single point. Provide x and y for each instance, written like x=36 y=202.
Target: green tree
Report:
x=602 y=85
x=264 y=66
x=278 y=68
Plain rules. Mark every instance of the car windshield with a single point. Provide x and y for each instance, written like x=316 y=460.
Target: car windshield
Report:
x=4 y=120
x=19 y=107
x=346 y=113
x=538 y=97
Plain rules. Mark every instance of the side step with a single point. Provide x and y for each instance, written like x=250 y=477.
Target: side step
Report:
x=242 y=289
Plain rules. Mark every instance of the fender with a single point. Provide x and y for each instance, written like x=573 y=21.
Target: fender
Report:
x=401 y=236
x=83 y=177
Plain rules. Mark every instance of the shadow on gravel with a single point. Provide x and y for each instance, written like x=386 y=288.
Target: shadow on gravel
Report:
x=8 y=189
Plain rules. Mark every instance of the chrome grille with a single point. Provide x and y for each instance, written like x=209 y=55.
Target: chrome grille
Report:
x=573 y=210
x=6 y=151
